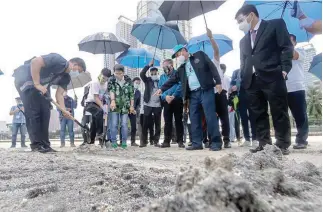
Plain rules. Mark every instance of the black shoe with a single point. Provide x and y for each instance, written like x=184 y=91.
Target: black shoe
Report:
x=284 y=151
x=62 y=146
x=194 y=148
x=227 y=145
x=40 y=149
x=257 y=149
x=142 y=145
x=216 y=149
x=181 y=145
x=165 y=145
x=101 y=142
x=23 y=146
x=151 y=143
x=134 y=144
x=174 y=142
x=51 y=150
x=207 y=145
x=300 y=146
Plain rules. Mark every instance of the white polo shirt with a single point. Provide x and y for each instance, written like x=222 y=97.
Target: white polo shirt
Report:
x=296 y=78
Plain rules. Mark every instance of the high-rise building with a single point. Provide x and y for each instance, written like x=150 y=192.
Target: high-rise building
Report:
x=123 y=30
x=150 y=8
x=109 y=60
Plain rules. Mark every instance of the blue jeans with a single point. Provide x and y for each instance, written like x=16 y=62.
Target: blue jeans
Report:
x=23 y=130
x=69 y=123
x=115 y=117
x=206 y=99
x=246 y=117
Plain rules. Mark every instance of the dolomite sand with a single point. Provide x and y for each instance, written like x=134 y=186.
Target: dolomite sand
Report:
x=158 y=180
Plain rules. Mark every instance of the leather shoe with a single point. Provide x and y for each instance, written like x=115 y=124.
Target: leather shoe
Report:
x=134 y=144
x=285 y=151
x=257 y=149
x=40 y=149
x=194 y=148
x=142 y=145
x=165 y=145
x=300 y=146
x=227 y=145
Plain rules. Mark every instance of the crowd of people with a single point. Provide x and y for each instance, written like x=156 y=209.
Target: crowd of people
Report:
x=195 y=98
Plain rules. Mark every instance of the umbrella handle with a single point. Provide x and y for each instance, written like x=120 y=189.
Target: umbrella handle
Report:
x=284 y=8
x=203 y=14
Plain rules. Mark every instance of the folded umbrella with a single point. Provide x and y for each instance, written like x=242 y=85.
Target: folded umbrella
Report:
x=316 y=66
x=282 y=9
x=202 y=43
x=136 y=58
x=153 y=31
x=186 y=10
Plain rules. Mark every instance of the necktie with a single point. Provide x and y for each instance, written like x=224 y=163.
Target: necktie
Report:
x=253 y=35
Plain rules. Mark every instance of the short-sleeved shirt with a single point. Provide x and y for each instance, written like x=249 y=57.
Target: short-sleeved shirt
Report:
x=18 y=118
x=96 y=88
x=52 y=74
x=193 y=81
x=296 y=76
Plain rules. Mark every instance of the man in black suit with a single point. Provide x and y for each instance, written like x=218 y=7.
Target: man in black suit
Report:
x=266 y=54
x=198 y=76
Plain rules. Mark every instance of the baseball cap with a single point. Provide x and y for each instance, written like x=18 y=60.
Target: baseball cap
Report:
x=176 y=49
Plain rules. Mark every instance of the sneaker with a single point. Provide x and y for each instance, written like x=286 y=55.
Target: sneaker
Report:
x=257 y=149
x=227 y=145
x=189 y=143
x=12 y=147
x=246 y=144
x=207 y=145
x=255 y=143
x=73 y=145
x=300 y=146
x=181 y=145
x=115 y=146
x=124 y=146
x=285 y=151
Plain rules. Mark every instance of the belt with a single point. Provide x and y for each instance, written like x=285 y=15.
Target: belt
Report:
x=197 y=89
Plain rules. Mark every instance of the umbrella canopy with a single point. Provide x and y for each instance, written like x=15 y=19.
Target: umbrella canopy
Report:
x=78 y=82
x=153 y=31
x=103 y=43
x=136 y=58
x=282 y=9
x=186 y=10
x=316 y=66
x=202 y=43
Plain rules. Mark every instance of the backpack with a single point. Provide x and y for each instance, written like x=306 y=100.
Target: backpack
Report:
x=86 y=93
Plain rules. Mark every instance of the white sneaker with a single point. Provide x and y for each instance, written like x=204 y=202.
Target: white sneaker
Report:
x=255 y=143
x=246 y=144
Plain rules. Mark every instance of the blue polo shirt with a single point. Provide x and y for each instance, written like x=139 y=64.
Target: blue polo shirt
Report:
x=193 y=81
x=55 y=65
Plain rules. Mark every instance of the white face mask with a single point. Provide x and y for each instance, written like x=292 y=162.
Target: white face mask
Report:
x=155 y=78
x=245 y=26
x=181 y=59
x=136 y=86
x=74 y=73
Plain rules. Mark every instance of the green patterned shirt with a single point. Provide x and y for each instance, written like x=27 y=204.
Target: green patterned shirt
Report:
x=123 y=95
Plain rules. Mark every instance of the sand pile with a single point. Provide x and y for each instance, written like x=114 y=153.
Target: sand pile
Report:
x=260 y=182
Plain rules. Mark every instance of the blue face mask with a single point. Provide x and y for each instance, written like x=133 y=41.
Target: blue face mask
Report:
x=74 y=73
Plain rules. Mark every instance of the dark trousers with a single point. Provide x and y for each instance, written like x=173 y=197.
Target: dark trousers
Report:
x=97 y=119
x=187 y=128
x=152 y=115
x=150 y=129
x=37 y=113
x=175 y=108
x=246 y=117
x=133 y=123
x=237 y=125
x=259 y=94
x=221 y=102
x=297 y=105
x=206 y=99
x=86 y=120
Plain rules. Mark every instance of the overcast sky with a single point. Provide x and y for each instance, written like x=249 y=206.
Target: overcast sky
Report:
x=35 y=27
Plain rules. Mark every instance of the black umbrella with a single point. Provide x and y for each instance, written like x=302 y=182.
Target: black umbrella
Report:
x=103 y=43
x=186 y=10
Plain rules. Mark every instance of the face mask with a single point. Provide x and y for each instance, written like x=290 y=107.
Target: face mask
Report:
x=245 y=26
x=74 y=73
x=136 y=86
x=154 y=78
x=181 y=60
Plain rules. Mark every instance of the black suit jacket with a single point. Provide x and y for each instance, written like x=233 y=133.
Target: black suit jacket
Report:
x=272 y=53
x=205 y=71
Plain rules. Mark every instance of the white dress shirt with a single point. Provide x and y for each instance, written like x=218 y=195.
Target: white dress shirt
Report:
x=296 y=77
x=252 y=42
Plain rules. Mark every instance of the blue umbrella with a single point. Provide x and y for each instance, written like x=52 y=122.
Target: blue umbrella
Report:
x=281 y=9
x=203 y=43
x=316 y=66
x=136 y=58
x=153 y=31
